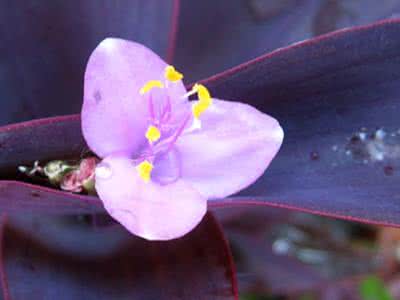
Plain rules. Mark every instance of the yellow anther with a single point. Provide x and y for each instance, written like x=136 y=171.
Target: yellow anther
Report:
x=203 y=93
x=153 y=134
x=151 y=85
x=198 y=108
x=144 y=169
x=204 y=101
x=172 y=75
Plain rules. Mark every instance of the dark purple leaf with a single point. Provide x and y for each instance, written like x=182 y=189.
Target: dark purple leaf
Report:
x=216 y=35
x=45 y=46
x=251 y=218
x=323 y=91
x=45 y=139
x=62 y=258
x=235 y=32
x=22 y=197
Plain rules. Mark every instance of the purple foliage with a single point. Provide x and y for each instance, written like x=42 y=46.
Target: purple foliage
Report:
x=336 y=97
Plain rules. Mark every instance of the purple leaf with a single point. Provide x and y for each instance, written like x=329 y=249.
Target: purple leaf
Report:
x=46 y=139
x=239 y=30
x=58 y=258
x=45 y=46
x=323 y=91
x=251 y=219
x=22 y=197
x=235 y=32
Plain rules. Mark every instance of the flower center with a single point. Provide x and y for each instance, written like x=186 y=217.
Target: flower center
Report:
x=162 y=133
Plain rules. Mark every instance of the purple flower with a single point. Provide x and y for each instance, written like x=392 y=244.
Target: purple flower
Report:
x=165 y=156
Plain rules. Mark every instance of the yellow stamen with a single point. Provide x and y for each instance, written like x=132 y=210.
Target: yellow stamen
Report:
x=198 y=108
x=144 y=169
x=204 y=101
x=203 y=93
x=172 y=75
x=153 y=134
x=151 y=85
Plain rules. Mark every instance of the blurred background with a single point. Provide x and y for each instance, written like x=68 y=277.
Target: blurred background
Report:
x=306 y=257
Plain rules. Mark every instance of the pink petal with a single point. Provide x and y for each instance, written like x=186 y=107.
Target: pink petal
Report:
x=232 y=149
x=114 y=115
x=149 y=210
